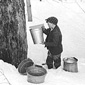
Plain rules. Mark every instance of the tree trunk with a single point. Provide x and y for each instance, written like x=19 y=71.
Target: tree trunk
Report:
x=13 y=38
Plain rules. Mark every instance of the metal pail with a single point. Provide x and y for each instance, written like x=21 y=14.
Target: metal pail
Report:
x=70 y=64
x=37 y=34
x=36 y=74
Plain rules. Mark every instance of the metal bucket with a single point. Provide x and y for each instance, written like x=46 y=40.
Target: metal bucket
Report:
x=36 y=74
x=70 y=64
x=37 y=34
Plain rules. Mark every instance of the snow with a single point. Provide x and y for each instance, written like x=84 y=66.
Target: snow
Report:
x=71 y=16
x=9 y=75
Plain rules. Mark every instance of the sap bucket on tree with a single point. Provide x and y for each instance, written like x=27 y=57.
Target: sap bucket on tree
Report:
x=37 y=34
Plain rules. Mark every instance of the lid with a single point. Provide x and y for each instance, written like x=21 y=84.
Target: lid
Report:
x=24 y=64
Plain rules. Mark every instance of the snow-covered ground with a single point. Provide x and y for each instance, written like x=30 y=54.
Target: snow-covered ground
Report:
x=9 y=75
x=71 y=16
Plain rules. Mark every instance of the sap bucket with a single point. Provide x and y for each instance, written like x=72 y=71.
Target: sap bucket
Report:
x=70 y=64
x=37 y=34
x=36 y=74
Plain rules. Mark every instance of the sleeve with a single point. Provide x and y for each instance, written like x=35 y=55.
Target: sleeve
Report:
x=55 y=40
x=46 y=31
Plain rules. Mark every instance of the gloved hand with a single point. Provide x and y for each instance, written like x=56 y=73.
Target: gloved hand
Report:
x=43 y=28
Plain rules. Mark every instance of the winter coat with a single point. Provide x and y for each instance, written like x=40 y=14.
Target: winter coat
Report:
x=53 y=40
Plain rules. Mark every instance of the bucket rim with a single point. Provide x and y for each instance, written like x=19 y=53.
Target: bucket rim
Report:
x=36 y=26
x=36 y=68
x=71 y=59
x=35 y=29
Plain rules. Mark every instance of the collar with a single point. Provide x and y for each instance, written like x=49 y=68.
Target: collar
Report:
x=53 y=28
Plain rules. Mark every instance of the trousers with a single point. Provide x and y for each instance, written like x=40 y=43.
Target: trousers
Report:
x=53 y=60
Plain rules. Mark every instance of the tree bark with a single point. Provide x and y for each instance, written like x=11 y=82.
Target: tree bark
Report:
x=13 y=38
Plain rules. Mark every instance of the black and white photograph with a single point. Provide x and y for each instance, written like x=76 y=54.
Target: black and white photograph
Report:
x=42 y=42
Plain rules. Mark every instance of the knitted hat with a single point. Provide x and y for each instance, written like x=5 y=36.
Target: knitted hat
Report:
x=53 y=20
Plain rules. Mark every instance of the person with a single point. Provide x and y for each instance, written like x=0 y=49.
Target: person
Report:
x=53 y=43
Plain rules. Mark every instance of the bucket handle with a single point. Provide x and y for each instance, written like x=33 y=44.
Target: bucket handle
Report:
x=75 y=58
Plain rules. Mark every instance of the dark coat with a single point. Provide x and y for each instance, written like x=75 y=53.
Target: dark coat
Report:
x=53 y=40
